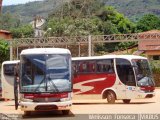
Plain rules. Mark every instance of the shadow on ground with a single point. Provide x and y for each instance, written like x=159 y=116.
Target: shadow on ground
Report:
x=132 y=103
x=48 y=115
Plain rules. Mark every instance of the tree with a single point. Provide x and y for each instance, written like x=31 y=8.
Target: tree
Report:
x=8 y=21
x=4 y=50
x=88 y=17
x=148 y=22
x=122 y=24
x=23 y=31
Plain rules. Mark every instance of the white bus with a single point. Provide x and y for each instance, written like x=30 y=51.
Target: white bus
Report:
x=7 y=79
x=45 y=80
x=112 y=77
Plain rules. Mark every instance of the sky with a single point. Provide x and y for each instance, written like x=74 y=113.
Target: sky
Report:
x=14 y=2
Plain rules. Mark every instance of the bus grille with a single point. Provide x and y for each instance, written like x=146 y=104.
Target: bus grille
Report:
x=46 y=99
x=46 y=107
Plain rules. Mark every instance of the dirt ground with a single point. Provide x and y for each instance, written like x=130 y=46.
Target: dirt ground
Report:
x=86 y=107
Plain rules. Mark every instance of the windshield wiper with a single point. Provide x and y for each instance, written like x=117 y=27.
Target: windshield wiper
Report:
x=39 y=84
x=55 y=87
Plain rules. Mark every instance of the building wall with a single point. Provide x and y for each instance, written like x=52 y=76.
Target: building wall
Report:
x=5 y=35
x=149 y=44
x=153 y=52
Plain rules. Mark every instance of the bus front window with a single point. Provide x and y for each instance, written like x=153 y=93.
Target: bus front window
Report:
x=57 y=73
x=45 y=73
x=33 y=73
x=143 y=72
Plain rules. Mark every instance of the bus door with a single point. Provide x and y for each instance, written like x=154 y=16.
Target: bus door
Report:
x=8 y=81
x=127 y=78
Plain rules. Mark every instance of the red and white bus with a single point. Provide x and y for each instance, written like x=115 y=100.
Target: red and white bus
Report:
x=112 y=77
x=44 y=80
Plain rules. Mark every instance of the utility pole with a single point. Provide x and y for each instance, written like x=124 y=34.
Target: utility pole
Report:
x=1 y=6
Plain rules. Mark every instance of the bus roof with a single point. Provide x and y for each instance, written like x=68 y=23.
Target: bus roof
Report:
x=45 y=51
x=129 y=57
x=11 y=62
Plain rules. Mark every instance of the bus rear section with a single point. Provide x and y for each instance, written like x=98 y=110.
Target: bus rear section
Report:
x=7 y=79
x=112 y=77
x=45 y=80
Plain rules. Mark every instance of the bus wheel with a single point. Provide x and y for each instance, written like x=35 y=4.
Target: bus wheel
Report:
x=126 y=101
x=111 y=97
x=65 y=112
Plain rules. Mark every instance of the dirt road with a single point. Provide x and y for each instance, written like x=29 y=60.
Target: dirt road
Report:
x=84 y=108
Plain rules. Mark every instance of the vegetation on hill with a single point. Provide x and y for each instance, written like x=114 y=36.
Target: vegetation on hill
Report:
x=148 y=22
x=133 y=9
x=76 y=18
x=28 y=11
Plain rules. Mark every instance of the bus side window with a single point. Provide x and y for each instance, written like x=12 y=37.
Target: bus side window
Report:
x=74 y=68
x=9 y=69
x=92 y=66
x=83 y=67
x=105 y=66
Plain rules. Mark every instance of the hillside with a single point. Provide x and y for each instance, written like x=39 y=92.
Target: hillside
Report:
x=29 y=10
x=133 y=9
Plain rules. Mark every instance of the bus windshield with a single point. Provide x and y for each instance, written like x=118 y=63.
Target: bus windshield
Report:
x=143 y=72
x=45 y=73
x=9 y=69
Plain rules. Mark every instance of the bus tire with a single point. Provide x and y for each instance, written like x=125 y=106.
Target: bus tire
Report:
x=126 y=101
x=65 y=112
x=111 y=97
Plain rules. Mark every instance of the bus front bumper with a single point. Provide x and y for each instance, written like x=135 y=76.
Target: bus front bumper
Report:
x=146 y=95
x=43 y=106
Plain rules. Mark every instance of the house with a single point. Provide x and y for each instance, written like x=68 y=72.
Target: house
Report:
x=150 y=43
x=5 y=34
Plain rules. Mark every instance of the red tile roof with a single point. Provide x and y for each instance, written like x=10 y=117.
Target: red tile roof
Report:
x=149 y=40
x=5 y=31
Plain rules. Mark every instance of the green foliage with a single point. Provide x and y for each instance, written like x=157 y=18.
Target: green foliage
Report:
x=86 y=19
x=148 y=22
x=155 y=66
x=135 y=9
x=114 y=23
x=126 y=45
x=4 y=50
x=28 y=11
x=70 y=27
x=8 y=21
x=23 y=31
x=123 y=24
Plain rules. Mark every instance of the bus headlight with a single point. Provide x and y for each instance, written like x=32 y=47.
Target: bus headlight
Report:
x=64 y=99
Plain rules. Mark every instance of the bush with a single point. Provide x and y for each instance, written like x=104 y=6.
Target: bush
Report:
x=155 y=66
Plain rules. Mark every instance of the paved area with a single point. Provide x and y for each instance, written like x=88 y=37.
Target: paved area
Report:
x=81 y=107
